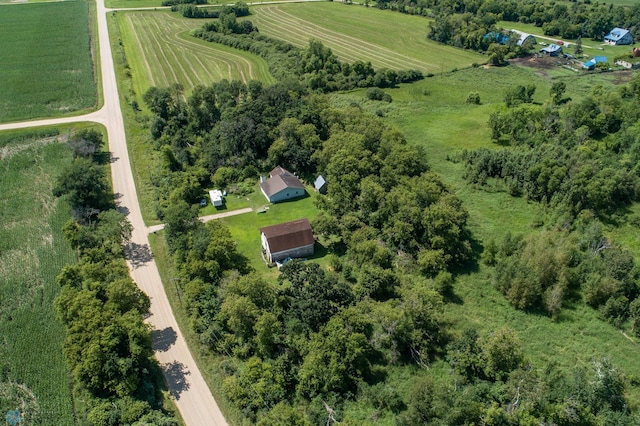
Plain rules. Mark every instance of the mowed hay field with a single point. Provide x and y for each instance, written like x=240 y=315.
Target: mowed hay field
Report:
x=386 y=39
x=33 y=372
x=160 y=52
x=45 y=60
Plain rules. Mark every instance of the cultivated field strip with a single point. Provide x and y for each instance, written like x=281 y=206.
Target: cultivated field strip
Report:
x=274 y=20
x=169 y=55
x=32 y=253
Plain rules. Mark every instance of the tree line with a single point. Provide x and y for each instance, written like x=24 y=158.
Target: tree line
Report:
x=465 y=23
x=316 y=66
x=108 y=345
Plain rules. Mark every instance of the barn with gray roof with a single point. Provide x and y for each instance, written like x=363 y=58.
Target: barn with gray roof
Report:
x=282 y=185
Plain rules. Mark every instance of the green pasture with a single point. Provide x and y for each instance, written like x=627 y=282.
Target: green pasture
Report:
x=46 y=67
x=433 y=113
x=160 y=52
x=32 y=252
x=387 y=39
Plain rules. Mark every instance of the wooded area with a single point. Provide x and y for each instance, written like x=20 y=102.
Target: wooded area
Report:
x=108 y=345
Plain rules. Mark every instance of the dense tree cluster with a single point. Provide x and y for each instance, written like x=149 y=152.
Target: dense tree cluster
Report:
x=227 y=14
x=574 y=156
x=316 y=67
x=108 y=345
x=395 y=231
x=178 y=2
x=84 y=180
x=315 y=334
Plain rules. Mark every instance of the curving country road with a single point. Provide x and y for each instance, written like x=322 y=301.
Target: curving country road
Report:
x=186 y=384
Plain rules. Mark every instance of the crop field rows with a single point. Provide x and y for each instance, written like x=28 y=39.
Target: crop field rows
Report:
x=345 y=46
x=61 y=79
x=166 y=54
x=385 y=39
x=32 y=253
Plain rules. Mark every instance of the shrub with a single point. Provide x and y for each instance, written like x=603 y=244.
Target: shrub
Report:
x=473 y=98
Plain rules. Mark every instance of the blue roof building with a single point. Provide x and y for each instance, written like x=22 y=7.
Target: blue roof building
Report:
x=552 y=50
x=495 y=36
x=618 y=36
x=591 y=63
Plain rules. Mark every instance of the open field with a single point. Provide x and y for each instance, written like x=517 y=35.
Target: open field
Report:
x=579 y=336
x=45 y=60
x=161 y=52
x=132 y=4
x=32 y=252
x=388 y=40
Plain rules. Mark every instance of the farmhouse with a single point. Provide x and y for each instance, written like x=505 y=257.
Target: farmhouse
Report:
x=216 y=197
x=290 y=239
x=320 y=184
x=618 y=36
x=551 y=50
x=282 y=185
x=591 y=63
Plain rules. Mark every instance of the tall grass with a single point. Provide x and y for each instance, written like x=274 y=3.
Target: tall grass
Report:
x=32 y=252
x=434 y=114
x=45 y=60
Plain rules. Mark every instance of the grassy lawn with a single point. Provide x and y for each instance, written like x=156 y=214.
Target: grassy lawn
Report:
x=45 y=61
x=388 y=40
x=245 y=228
x=161 y=52
x=32 y=252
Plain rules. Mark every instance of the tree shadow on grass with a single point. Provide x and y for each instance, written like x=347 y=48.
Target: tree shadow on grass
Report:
x=175 y=373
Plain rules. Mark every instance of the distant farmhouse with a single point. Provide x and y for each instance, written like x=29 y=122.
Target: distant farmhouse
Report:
x=282 y=185
x=289 y=239
x=618 y=36
x=591 y=63
x=552 y=50
x=524 y=38
x=504 y=38
x=320 y=184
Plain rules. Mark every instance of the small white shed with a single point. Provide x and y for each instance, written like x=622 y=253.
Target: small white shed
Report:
x=216 y=197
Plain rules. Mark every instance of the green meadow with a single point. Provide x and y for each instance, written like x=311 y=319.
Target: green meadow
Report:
x=386 y=39
x=46 y=67
x=433 y=114
x=33 y=372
